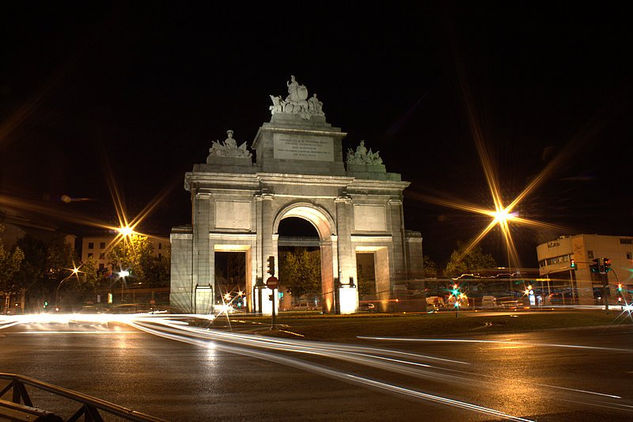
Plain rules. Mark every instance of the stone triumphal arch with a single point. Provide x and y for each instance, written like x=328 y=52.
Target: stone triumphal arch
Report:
x=298 y=170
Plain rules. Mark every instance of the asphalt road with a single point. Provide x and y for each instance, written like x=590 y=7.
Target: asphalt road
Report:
x=192 y=377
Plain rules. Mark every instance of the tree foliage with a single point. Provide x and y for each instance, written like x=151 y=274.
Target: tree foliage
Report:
x=430 y=267
x=10 y=263
x=132 y=254
x=300 y=272
x=135 y=254
x=46 y=264
x=470 y=263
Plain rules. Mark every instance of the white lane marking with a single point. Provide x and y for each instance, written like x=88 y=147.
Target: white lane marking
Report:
x=508 y=342
x=581 y=391
x=10 y=324
x=343 y=376
x=73 y=332
x=513 y=343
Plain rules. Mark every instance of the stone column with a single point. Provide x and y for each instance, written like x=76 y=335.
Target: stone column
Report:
x=268 y=248
x=348 y=290
x=258 y=254
x=203 y=259
x=397 y=234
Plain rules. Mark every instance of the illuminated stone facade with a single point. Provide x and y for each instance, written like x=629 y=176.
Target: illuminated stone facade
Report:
x=237 y=205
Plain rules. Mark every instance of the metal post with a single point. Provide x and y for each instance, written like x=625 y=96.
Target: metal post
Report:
x=337 y=298
x=259 y=301
x=274 y=313
x=605 y=285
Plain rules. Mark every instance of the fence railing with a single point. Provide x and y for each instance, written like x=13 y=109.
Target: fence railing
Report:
x=89 y=406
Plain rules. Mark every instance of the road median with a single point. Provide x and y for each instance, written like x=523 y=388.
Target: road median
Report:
x=349 y=327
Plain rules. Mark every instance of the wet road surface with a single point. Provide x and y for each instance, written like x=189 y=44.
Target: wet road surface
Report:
x=191 y=376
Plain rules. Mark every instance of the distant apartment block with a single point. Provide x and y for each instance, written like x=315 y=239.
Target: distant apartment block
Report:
x=96 y=247
x=555 y=263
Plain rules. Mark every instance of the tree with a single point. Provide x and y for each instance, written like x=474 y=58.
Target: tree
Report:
x=430 y=267
x=133 y=254
x=157 y=271
x=300 y=272
x=46 y=264
x=470 y=263
x=10 y=263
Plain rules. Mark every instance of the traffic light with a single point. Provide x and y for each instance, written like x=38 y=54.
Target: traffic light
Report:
x=455 y=292
x=45 y=304
x=271 y=265
x=595 y=266
x=619 y=287
x=572 y=264
x=607 y=265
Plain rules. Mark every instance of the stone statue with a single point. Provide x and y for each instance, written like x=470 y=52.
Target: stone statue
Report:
x=229 y=148
x=362 y=156
x=277 y=106
x=293 y=86
x=297 y=101
x=315 y=106
x=361 y=152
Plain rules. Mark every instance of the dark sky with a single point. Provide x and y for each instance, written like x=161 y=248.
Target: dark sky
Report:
x=147 y=87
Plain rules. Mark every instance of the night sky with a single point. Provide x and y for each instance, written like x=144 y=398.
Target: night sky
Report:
x=147 y=87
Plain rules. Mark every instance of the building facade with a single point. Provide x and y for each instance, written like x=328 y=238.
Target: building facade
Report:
x=96 y=248
x=585 y=286
x=299 y=171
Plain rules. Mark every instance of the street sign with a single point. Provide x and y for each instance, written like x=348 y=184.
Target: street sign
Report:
x=272 y=282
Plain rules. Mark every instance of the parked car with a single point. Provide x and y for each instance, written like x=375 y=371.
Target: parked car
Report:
x=488 y=302
x=367 y=307
x=129 y=308
x=435 y=302
x=509 y=303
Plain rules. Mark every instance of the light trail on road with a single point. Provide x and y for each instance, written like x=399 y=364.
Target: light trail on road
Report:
x=335 y=374
x=421 y=366
x=505 y=342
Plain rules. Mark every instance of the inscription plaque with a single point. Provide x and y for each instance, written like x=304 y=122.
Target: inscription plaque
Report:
x=303 y=147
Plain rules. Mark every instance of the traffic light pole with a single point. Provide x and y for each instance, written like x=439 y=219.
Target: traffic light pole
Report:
x=274 y=313
x=605 y=282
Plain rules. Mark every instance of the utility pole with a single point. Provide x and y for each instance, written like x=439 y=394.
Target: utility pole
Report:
x=605 y=282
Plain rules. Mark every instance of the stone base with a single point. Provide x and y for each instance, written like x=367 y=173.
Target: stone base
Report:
x=298 y=120
x=366 y=168
x=348 y=298
x=395 y=177
x=204 y=299
x=228 y=165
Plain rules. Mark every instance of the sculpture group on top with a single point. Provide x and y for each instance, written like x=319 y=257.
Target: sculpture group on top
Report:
x=362 y=156
x=297 y=101
x=229 y=148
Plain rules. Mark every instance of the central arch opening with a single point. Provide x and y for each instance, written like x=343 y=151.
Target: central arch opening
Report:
x=322 y=236
x=299 y=255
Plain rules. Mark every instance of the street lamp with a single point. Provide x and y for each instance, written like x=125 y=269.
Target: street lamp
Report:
x=125 y=231
x=73 y=272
